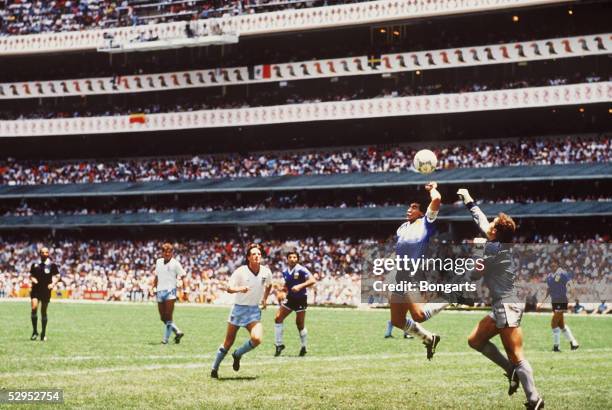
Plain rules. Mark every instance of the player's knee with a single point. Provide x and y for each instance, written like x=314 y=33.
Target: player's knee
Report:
x=419 y=317
x=255 y=340
x=278 y=320
x=474 y=343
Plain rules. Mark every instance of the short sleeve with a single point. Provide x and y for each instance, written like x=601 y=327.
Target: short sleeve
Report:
x=32 y=269
x=54 y=269
x=268 y=280
x=233 y=280
x=306 y=273
x=180 y=272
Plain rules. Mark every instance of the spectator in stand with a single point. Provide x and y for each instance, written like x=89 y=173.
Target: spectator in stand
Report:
x=537 y=151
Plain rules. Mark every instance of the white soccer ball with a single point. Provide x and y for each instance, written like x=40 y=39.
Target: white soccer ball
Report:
x=425 y=161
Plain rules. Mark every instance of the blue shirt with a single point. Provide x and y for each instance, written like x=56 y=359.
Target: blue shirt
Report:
x=557 y=285
x=412 y=238
x=296 y=276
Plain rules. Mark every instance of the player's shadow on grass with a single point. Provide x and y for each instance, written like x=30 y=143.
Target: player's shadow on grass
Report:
x=223 y=379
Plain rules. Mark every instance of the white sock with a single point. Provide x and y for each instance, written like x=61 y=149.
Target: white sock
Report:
x=567 y=333
x=432 y=309
x=303 y=336
x=278 y=333
x=556 y=336
x=417 y=330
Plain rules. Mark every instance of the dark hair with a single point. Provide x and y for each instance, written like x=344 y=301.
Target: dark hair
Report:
x=504 y=228
x=293 y=252
x=252 y=246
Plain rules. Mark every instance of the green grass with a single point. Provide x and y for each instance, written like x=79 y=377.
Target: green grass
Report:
x=109 y=356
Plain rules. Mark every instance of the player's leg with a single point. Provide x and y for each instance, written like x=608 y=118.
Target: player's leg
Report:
x=389 y=330
x=169 y=308
x=43 y=313
x=256 y=336
x=399 y=320
x=161 y=306
x=556 y=330
x=300 y=322
x=567 y=332
x=34 y=318
x=420 y=312
x=230 y=337
x=512 y=339
x=282 y=312
x=480 y=340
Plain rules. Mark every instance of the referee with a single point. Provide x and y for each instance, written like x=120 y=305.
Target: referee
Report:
x=41 y=275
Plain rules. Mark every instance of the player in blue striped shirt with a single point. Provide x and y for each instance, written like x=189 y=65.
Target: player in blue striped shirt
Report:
x=412 y=241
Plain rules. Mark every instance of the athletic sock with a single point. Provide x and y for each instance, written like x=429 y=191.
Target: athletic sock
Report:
x=245 y=348
x=556 y=336
x=34 y=318
x=44 y=324
x=221 y=352
x=567 y=333
x=389 y=330
x=168 y=331
x=432 y=309
x=175 y=328
x=525 y=374
x=491 y=352
x=303 y=337
x=278 y=333
x=417 y=330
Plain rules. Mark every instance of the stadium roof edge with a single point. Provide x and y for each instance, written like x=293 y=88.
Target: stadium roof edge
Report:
x=301 y=216
x=533 y=173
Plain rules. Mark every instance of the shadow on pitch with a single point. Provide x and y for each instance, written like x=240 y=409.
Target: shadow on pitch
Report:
x=223 y=379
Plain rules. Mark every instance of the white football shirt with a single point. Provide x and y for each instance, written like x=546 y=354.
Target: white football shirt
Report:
x=167 y=273
x=256 y=283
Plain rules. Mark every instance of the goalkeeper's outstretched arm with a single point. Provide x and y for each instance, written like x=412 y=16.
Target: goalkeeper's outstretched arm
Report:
x=477 y=215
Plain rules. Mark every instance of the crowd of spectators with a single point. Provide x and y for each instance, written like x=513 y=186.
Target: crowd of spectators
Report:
x=39 y=16
x=301 y=92
x=536 y=151
x=55 y=208
x=121 y=270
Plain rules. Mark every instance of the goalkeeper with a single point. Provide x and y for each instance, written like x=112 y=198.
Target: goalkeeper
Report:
x=499 y=275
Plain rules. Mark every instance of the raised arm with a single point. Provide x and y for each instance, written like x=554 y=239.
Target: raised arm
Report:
x=477 y=215
x=436 y=200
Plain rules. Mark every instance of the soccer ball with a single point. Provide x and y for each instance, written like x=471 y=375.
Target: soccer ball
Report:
x=425 y=161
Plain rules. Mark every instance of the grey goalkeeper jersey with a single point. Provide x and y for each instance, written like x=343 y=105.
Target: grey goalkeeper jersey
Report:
x=500 y=269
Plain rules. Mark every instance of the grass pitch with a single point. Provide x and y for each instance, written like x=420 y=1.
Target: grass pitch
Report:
x=109 y=356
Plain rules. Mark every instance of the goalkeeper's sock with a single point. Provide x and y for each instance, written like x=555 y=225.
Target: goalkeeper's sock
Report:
x=493 y=354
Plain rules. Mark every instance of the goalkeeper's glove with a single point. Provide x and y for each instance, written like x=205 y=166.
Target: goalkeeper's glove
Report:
x=464 y=194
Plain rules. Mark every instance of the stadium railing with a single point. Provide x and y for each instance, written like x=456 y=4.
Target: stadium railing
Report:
x=520 y=98
x=517 y=174
x=546 y=49
x=310 y=215
x=264 y=23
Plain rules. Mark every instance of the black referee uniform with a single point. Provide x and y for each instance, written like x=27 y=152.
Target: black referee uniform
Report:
x=43 y=272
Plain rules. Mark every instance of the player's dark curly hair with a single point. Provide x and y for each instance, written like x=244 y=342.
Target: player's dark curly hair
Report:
x=252 y=246
x=293 y=252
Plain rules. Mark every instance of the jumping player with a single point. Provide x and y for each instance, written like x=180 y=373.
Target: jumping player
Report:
x=41 y=275
x=499 y=275
x=167 y=270
x=251 y=283
x=557 y=282
x=297 y=279
x=412 y=240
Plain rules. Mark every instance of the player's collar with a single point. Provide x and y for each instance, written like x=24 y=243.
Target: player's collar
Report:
x=46 y=262
x=290 y=271
x=253 y=273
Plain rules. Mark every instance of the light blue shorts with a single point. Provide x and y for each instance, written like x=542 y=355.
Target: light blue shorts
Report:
x=242 y=315
x=164 y=295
